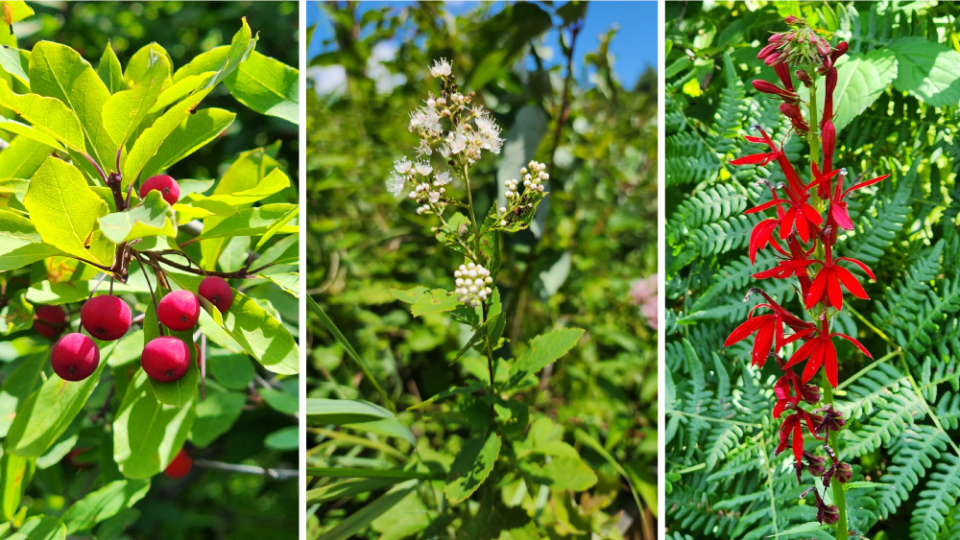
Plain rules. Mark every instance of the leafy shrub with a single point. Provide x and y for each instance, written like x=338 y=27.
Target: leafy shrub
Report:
x=562 y=448
x=106 y=264
x=896 y=99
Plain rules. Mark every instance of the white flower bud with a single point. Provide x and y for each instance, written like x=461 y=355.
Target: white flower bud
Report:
x=489 y=280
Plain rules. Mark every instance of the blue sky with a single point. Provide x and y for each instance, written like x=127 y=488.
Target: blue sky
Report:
x=634 y=47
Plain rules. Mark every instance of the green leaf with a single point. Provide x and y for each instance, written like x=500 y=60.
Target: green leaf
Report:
x=47 y=114
x=215 y=416
x=472 y=466
x=338 y=412
x=562 y=473
x=407 y=518
x=348 y=488
x=180 y=90
x=153 y=217
x=147 y=433
x=16 y=63
x=20 y=160
x=362 y=518
x=928 y=71
x=246 y=172
x=194 y=133
x=60 y=72
x=29 y=132
x=222 y=60
x=231 y=370
x=15 y=475
x=124 y=110
x=544 y=349
x=66 y=211
x=386 y=427
x=279 y=227
x=34 y=428
x=435 y=301
x=109 y=70
x=17 y=315
x=17 y=386
x=227 y=203
x=410 y=296
x=260 y=334
x=149 y=142
x=40 y=528
x=251 y=222
x=279 y=400
x=267 y=86
x=284 y=439
x=103 y=504
x=289 y=282
x=141 y=64
x=22 y=256
x=453 y=391
x=860 y=81
x=182 y=391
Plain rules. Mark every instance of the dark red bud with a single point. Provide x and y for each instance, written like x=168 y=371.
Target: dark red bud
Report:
x=772 y=59
x=839 y=50
x=843 y=473
x=803 y=77
x=783 y=71
x=828 y=515
x=767 y=51
x=795 y=21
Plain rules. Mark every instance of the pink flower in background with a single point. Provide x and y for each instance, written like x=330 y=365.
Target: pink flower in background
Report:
x=643 y=293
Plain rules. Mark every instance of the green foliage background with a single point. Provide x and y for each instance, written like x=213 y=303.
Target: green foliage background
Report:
x=209 y=503
x=897 y=114
x=598 y=235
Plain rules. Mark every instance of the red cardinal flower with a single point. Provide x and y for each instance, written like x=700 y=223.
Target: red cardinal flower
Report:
x=795 y=263
x=838 y=207
x=790 y=388
x=820 y=351
x=826 y=286
x=762 y=235
x=792 y=428
x=769 y=329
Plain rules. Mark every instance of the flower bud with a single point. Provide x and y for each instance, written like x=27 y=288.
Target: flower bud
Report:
x=828 y=514
x=843 y=473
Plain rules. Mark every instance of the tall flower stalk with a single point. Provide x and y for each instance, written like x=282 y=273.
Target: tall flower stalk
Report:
x=802 y=223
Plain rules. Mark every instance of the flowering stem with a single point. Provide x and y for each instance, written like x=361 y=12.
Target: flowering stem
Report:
x=473 y=217
x=813 y=136
x=839 y=496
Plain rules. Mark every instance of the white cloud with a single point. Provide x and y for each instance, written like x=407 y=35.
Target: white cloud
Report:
x=328 y=80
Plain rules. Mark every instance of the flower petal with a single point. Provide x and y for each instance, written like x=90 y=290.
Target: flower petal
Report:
x=850 y=282
x=861 y=265
x=855 y=342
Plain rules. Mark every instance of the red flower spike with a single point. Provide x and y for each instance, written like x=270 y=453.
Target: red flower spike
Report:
x=820 y=351
x=762 y=235
x=792 y=111
x=792 y=428
x=770 y=88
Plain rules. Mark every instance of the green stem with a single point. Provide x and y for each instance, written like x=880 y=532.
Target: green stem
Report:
x=473 y=217
x=839 y=495
x=813 y=136
x=331 y=472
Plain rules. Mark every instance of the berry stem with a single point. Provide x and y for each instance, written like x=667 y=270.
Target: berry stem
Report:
x=153 y=296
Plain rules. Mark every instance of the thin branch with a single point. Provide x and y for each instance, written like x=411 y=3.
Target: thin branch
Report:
x=276 y=474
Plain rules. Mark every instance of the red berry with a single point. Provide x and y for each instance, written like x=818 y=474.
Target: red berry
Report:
x=168 y=187
x=75 y=357
x=217 y=291
x=50 y=321
x=179 y=310
x=166 y=359
x=105 y=317
x=74 y=455
x=180 y=466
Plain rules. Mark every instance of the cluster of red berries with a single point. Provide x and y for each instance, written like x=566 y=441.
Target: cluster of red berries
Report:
x=75 y=356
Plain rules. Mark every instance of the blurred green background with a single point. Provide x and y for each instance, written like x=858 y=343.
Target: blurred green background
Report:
x=594 y=235
x=208 y=504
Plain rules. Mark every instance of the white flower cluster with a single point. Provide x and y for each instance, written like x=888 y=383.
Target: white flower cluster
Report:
x=418 y=175
x=533 y=179
x=472 y=281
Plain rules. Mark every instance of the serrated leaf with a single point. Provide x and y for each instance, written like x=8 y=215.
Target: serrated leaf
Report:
x=927 y=70
x=147 y=433
x=65 y=211
x=153 y=217
x=435 y=301
x=472 y=466
x=267 y=86
x=544 y=349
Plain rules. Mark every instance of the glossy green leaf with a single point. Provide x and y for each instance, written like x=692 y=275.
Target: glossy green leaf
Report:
x=222 y=60
x=348 y=488
x=231 y=370
x=34 y=429
x=180 y=90
x=65 y=211
x=288 y=281
x=147 y=433
x=387 y=427
x=361 y=519
x=226 y=203
x=16 y=315
x=153 y=217
x=267 y=86
x=142 y=63
x=246 y=172
x=124 y=110
x=25 y=255
x=16 y=63
x=18 y=385
x=29 y=132
x=216 y=414
x=15 y=474
x=928 y=71
x=322 y=411
x=182 y=391
x=472 y=466
x=47 y=114
x=251 y=222
x=196 y=131
x=103 y=504
x=284 y=439
x=60 y=72
x=562 y=473
x=109 y=70
x=21 y=159
x=279 y=400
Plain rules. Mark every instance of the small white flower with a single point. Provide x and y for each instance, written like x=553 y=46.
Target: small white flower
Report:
x=424 y=148
x=434 y=197
x=457 y=142
x=441 y=68
x=424 y=168
x=442 y=179
x=395 y=185
x=402 y=166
